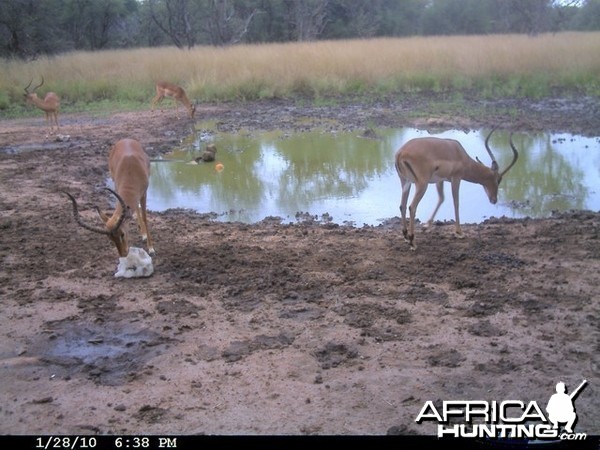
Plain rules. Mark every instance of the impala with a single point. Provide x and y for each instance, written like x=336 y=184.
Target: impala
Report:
x=166 y=89
x=49 y=104
x=434 y=160
x=129 y=167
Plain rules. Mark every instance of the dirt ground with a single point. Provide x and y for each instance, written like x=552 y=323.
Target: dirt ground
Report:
x=279 y=328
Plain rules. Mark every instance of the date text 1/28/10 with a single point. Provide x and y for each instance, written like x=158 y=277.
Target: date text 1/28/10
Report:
x=103 y=442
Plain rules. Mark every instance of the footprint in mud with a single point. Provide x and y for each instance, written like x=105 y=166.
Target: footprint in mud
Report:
x=334 y=354
x=179 y=307
x=446 y=358
x=238 y=349
x=485 y=329
x=151 y=414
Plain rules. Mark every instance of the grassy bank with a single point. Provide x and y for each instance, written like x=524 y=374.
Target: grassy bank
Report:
x=491 y=66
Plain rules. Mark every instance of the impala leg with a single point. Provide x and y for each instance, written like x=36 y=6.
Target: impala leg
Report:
x=156 y=100
x=49 y=122
x=176 y=105
x=403 y=203
x=420 y=192
x=56 y=120
x=440 y=189
x=143 y=224
x=455 y=189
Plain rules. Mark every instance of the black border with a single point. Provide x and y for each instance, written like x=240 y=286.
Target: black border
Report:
x=152 y=442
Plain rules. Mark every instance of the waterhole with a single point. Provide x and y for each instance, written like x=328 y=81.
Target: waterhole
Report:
x=349 y=177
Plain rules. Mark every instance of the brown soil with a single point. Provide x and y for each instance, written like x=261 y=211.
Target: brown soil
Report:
x=276 y=328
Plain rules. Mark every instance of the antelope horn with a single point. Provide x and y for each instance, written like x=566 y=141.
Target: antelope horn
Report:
x=124 y=210
x=487 y=147
x=38 y=84
x=516 y=155
x=26 y=91
x=79 y=219
x=104 y=231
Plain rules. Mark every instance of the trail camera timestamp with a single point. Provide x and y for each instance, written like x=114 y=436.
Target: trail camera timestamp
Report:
x=104 y=442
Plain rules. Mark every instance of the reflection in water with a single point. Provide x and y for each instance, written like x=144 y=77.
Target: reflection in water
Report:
x=353 y=179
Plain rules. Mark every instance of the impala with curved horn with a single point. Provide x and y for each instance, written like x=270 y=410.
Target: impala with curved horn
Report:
x=434 y=160
x=129 y=167
x=49 y=104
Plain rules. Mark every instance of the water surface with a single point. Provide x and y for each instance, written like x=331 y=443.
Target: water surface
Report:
x=348 y=178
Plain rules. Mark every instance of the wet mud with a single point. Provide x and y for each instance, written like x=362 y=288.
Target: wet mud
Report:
x=279 y=328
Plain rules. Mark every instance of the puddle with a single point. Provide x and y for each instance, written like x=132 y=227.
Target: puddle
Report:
x=349 y=177
x=108 y=354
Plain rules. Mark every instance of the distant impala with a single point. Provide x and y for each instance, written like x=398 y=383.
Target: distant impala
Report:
x=49 y=104
x=166 y=89
x=434 y=160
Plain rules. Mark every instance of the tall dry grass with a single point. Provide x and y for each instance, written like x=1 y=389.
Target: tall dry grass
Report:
x=496 y=65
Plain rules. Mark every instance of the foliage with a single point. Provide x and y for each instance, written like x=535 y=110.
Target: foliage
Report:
x=29 y=28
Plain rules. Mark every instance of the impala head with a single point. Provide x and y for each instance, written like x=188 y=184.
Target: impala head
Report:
x=113 y=225
x=30 y=95
x=491 y=187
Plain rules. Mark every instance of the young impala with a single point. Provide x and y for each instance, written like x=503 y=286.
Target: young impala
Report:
x=434 y=160
x=49 y=104
x=166 y=89
x=129 y=167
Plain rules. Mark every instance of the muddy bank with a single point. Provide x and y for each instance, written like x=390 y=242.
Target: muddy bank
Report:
x=274 y=328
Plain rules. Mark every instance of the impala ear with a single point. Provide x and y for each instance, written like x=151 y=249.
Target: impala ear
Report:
x=105 y=217
x=478 y=160
x=102 y=215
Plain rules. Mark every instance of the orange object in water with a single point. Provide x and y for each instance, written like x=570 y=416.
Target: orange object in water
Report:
x=219 y=167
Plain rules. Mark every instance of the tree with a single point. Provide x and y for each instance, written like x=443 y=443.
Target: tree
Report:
x=95 y=24
x=456 y=17
x=228 y=21
x=32 y=27
x=27 y=28
x=354 y=18
x=307 y=18
x=530 y=16
x=178 y=19
x=587 y=17
x=402 y=18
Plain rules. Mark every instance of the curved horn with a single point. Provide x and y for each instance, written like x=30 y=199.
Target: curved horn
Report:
x=516 y=155
x=124 y=210
x=38 y=85
x=26 y=91
x=79 y=219
x=487 y=147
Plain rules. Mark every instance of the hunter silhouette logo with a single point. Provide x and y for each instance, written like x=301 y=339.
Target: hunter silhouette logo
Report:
x=506 y=418
x=560 y=407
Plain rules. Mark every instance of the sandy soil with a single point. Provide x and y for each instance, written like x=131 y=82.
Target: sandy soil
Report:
x=276 y=328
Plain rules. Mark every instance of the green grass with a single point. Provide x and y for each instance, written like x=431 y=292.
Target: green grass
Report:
x=486 y=66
